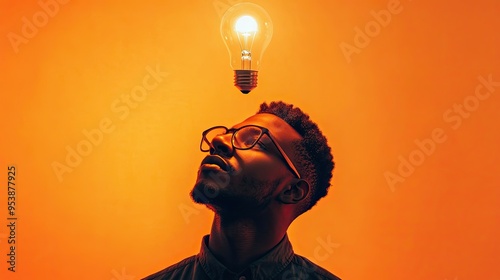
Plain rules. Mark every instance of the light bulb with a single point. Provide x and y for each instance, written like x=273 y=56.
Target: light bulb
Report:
x=246 y=29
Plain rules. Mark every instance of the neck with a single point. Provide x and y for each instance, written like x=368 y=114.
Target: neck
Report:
x=237 y=242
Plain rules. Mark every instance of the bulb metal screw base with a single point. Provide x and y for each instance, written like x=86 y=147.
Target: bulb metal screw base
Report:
x=245 y=80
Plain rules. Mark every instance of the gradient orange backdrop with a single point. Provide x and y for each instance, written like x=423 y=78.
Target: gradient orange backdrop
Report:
x=119 y=213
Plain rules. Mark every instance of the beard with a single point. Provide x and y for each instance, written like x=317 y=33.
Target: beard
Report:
x=247 y=198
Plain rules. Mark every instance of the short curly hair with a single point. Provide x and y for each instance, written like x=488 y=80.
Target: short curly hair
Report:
x=315 y=155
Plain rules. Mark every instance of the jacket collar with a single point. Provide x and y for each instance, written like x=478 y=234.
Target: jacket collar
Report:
x=267 y=267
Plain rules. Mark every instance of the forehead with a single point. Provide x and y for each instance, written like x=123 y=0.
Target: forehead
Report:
x=280 y=129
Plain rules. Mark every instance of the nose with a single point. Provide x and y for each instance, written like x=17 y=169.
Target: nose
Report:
x=221 y=145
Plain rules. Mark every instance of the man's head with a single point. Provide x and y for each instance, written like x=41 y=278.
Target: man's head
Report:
x=275 y=158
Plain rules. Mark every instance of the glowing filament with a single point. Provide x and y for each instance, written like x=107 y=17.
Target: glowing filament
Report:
x=246 y=25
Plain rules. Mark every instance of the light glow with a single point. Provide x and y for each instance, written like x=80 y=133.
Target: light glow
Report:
x=246 y=25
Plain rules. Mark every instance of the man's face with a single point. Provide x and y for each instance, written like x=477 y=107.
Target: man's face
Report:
x=231 y=179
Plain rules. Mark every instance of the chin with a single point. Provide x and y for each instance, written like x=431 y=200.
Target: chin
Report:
x=204 y=192
x=226 y=203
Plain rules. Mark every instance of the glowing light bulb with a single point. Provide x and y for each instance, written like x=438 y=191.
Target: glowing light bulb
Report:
x=246 y=29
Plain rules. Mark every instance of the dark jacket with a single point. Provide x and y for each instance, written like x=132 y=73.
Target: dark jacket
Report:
x=281 y=263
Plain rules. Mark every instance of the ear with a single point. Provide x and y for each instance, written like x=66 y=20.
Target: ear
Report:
x=295 y=192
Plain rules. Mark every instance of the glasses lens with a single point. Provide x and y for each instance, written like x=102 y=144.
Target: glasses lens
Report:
x=246 y=137
x=209 y=137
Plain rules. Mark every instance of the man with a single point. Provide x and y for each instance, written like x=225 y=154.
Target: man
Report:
x=259 y=176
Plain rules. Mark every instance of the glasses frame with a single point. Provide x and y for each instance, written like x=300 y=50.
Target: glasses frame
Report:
x=263 y=131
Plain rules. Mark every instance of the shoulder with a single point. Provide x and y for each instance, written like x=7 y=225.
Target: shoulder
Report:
x=306 y=269
x=172 y=270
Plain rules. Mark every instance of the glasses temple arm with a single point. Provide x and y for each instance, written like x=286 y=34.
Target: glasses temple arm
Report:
x=287 y=159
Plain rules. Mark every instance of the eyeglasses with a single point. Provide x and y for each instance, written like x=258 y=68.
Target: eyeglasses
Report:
x=244 y=138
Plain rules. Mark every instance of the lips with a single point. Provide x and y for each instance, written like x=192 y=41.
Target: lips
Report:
x=215 y=160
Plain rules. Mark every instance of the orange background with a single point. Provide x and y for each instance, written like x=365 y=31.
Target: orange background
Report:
x=117 y=214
